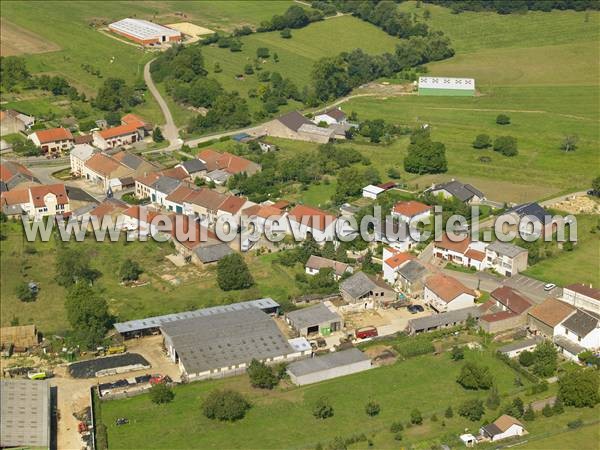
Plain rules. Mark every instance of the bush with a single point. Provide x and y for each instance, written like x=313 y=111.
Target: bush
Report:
x=547 y=411
x=415 y=417
x=482 y=141
x=449 y=413
x=574 y=424
x=529 y=414
x=473 y=376
x=396 y=427
x=161 y=393
x=262 y=52
x=233 y=273
x=545 y=359
x=579 y=388
x=225 y=405
x=502 y=119
x=372 y=408
x=24 y=293
x=130 y=270
x=157 y=135
x=516 y=408
x=261 y=375
x=472 y=409
x=457 y=353
x=507 y=145
x=286 y=34
x=526 y=358
x=322 y=409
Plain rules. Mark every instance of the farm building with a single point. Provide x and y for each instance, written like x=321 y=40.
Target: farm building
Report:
x=225 y=342
x=364 y=291
x=443 y=320
x=582 y=296
x=25 y=414
x=446 y=86
x=151 y=325
x=332 y=365
x=144 y=32
x=321 y=318
x=513 y=349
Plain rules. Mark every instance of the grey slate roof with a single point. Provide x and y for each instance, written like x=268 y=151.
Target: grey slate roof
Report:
x=506 y=248
x=24 y=413
x=329 y=361
x=492 y=429
x=18 y=179
x=294 y=120
x=78 y=194
x=166 y=185
x=311 y=316
x=132 y=161
x=438 y=320
x=212 y=252
x=226 y=339
x=157 y=321
x=461 y=191
x=581 y=323
x=193 y=165
x=218 y=175
x=412 y=270
x=531 y=210
x=572 y=347
x=360 y=284
x=12 y=210
x=520 y=344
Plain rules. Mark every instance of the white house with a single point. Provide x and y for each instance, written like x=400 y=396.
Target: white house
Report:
x=577 y=333
x=411 y=211
x=393 y=260
x=372 y=191
x=48 y=200
x=78 y=157
x=53 y=140
x=505 y=258
x=316 y=263
x=503 y=427
x=443 y=293
x=332 y=116
x=305 y=220
x=582 y=296
x=462 y=252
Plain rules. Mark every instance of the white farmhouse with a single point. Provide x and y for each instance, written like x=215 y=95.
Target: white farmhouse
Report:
x=443 y=293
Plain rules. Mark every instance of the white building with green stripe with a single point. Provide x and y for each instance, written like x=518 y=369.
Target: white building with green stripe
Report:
x=447 y=86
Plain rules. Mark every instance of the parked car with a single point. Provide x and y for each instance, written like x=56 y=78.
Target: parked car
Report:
x=414 y=309
x=549 y=286
x=366 y=332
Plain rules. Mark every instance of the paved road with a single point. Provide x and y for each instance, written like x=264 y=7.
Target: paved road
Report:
x=170 y=131
x=44 y=172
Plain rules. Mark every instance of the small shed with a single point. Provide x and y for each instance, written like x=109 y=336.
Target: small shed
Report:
x=372 y=191
x=513 y=349
x=332 y=365
x=320 y=318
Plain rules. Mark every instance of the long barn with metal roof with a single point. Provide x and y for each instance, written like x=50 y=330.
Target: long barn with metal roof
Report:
x=149 y=325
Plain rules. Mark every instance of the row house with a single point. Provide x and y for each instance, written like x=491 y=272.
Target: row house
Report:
x=131 y=130
x=53 y=140
x=506 y=309
x=308 y=221
x=37 y=201
x=582 y=296
x=221 y=166
x=463 y=252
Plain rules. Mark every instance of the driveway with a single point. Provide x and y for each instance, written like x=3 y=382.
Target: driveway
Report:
x=477 y=280
x=170 y=131
x=533 y=288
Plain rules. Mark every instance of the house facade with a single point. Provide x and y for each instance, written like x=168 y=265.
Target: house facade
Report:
x=444 y=293
x=362 y=291
x=577 y=333
x=582 y=296
x=306 y=220
x=411 y=211
x=545 y=318
x=78 y=157
x=506 y=259
x=316 y=263
x=53 y=140
x=463 y=252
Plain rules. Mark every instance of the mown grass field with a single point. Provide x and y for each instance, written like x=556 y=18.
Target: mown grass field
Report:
x=197 y=288
x=585 y=438
x=281 y=418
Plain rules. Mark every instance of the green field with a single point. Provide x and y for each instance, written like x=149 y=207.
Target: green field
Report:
x=585 y=438
x=197 y=287
x=281 y=418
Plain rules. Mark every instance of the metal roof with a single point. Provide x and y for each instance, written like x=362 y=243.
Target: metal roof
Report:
x=582 y=323
x=518 y=345
x=438 y=320
x=155 y=322
x=142 y=29
x=225 y=339
x=447 y=83
x=212 y=253
x=326 y=362
x=24 y=413
x=311 y=316
x=412 y=270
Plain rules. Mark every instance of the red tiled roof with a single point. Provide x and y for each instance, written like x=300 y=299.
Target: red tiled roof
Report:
x=447 y=288
x=584 y=289
x=83 y=139
x=281 y=204
x=206 y=198
x=120 y=130
x=511 y=299
x=9 y=169
x=197 y=231
x=53 y=135
x=459 y=247
x=551 y=311
x=317 y=218
x=475 y=254
x=102 y=164
x=225 y=161
x=39 y=192
x=108 y=207
x=148 y=179
x=178 y=173
x=132 y=119
x=398 y=259
x=496 y=317
x=15 y=197
x=141 y=213
x=180 y=194
x=410 y=208
x=232 y=204
x=388 y=185
x=262 y=211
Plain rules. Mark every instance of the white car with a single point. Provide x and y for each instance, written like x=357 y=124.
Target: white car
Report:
x=549 y=286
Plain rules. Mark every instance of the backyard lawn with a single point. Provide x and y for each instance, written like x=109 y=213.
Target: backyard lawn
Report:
x=169 y=290
x=279 y=419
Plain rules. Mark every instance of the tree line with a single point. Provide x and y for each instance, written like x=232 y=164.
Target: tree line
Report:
x=515 y=6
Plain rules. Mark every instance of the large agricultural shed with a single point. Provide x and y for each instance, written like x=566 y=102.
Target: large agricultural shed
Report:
x=144 y=32
x=224 y=343
x=446 y=86
x=151 y=325
x=320 y=318
x=332 y=365
x=24 y=413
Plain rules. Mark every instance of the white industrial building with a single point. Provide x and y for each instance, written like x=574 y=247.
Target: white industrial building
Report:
x=446 y=86
x=332 y=365
x=145 y=32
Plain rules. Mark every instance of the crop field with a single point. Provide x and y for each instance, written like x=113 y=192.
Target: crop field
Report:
x=278 y=419
x=24 y=261
x=298 y=54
